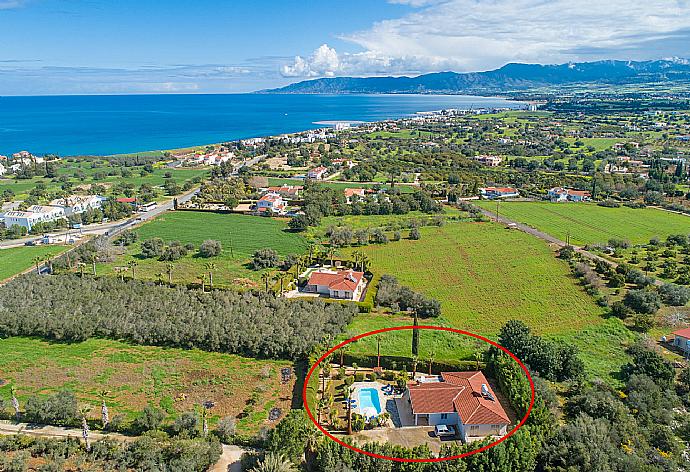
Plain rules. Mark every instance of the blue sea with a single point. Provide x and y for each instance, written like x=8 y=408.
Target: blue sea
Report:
x=104 y=125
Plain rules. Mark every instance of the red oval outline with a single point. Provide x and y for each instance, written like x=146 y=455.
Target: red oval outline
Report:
x=400 y=328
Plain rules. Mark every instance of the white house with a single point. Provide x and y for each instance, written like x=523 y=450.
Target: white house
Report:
x=3 y=169
x=271 y=204
x=341 y=284
x=353 y=192
x=489 y=161
x=77 y=204
x=462 y=399
x=317 y=173
x=560 y=194
x=34 y=214
x=499 y=192
x=682 y=339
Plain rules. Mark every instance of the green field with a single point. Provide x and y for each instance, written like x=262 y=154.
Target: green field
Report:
x=589 y=223
x=240 y=236
x=18 y=259
x=404 y=188
x=485 y=275
x=22 y=187
x=175 y=380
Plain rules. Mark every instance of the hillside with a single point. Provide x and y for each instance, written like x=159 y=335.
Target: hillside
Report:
x=507 y=78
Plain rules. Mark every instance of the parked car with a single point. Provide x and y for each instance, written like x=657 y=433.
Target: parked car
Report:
x=444 y=431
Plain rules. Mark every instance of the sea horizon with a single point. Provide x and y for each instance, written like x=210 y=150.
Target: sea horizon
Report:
x=105 y=125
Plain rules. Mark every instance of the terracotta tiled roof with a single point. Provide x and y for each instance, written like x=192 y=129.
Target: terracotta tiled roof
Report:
x=459 y=392
x=501 y=189
x=342 y=280
x=685 y=333
x=353 y=191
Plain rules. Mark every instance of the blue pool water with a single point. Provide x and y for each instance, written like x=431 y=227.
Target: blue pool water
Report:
x=369 y=398
x=72 y=125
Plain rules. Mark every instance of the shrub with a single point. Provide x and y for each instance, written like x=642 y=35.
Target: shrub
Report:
x=674 y=295
x=210 y=248
x=150 y=419
x=265 y=258
x=60 y=408
x=187 y=424
x=225 y=429
x=359 y=377
x=642 y=301
x=153 y=247
x=415 y=234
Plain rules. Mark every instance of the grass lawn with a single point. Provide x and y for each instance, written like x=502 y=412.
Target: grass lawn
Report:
x=17 y=259
x=590 y=223
x=485 y=275
x=240 y=236
x=176 y=380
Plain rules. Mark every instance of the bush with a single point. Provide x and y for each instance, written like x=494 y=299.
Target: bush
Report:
x=226 y=429
x=210 y=248
x=265 y=258
x=187 y=424
x=415 y=234
x=674 y=295
x=642 y=301
x=60 y=409
x=391 y=294
x=359 y=377
x=153 y=247
x=150 y=419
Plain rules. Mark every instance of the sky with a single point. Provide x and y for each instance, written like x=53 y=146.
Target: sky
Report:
x=234 y=46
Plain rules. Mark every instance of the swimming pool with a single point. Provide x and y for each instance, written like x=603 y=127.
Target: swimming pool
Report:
x=369 y=398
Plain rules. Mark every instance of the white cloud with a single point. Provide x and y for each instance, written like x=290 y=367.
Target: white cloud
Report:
x=470 y=35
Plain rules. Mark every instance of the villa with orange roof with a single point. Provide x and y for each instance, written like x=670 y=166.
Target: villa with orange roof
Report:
x=271 y=204
x=461 y=399
x=351 y=192
x=340 y=284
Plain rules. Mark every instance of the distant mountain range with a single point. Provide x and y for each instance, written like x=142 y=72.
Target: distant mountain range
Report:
x=511 y=77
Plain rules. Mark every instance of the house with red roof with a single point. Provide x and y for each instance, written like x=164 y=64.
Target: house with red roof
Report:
x=353 y=192
x=462 y=399
x=499 y=192
x=560 y=194
x=340 y=284
x=286 y=191
x=317 y=173
x=681 y=339
x=271 y=204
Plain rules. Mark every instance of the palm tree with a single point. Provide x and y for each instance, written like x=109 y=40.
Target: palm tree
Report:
x=282 y=277
x=342 y=352
x=85 y=426
x=202 y=278
x=357 y=256
x=331 y=255
x=94 y=259
x=354 y=368
x=210 y=267
x=274 y=462
x=81 y=269
x=132 y=265
x=15 y=402
x=121 y=272
x=266 y=279
x=312 y=250
x=170 y=267
x=311 y=445
x=159 y=276
x=365 y=263
x=432 y=356
x=37 y=262
x=105 y=416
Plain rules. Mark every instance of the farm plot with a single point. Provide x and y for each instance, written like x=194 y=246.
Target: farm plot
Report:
x=174 y=380
x=587 y=223
x=239 y=235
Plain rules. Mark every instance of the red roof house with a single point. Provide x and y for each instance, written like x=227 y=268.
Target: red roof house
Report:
x=463 y=399
x=342 y=284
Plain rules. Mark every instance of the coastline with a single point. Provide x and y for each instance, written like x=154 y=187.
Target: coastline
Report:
x=96 y=126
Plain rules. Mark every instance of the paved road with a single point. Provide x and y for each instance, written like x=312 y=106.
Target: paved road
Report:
x=229 y=460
